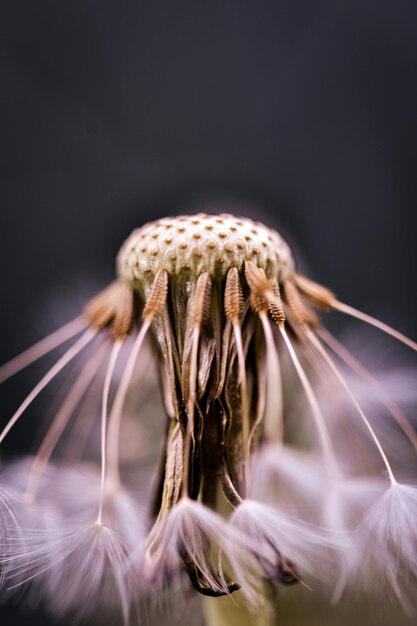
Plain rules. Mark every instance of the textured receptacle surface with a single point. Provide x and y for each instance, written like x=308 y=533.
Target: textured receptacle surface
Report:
x=202 y=243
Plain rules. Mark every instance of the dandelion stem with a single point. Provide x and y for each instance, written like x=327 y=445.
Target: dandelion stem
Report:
x=342 y=381
x=59 y=365
x=104 y=410
x=235 y=611
x=364 y=317
x=41 y=348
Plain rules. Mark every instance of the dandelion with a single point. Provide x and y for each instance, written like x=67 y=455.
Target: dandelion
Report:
x=236 y=336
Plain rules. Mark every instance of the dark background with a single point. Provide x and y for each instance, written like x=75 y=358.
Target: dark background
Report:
x=300 y=113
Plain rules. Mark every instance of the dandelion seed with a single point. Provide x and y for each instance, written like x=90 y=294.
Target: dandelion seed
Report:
x=75 y=569
x=231 y=324
x=296 y=545
x=183 y=537
x=383 y=555
x=282 y=474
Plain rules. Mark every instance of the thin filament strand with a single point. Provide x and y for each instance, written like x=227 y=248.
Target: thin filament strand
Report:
x=260 y=406
x=342 y=381
x=385 y=328
x=274 y=423
x=58 y=425
x=41 y=348
x=322 y=430
x=59 y=365
x=348 y=358
x=117 y=407
x=189 y=431
x=104 y=410
x=243 y=392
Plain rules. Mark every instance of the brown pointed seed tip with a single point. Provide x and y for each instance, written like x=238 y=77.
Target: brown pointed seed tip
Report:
x=157 y=297
x=114 y=305
x=299 y=308
x=258 y=304
x=202 y=299
x=233 y=296
x=276 y=309
x=319 y=296
x=124 y=314
x=264 y=293
x=257 y=281
x=99 y=309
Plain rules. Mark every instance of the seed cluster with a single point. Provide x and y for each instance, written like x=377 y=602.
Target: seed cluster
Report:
x=202 y=243
x=210 y=290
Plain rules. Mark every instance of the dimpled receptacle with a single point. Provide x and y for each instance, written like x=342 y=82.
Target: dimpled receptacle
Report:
x=194 y=244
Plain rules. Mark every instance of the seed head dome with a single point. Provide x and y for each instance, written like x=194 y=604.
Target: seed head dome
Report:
x=200 y=243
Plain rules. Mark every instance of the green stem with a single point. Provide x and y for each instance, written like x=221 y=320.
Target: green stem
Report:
x=234 y=611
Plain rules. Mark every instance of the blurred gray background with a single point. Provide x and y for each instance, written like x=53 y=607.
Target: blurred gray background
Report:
x=300 y=113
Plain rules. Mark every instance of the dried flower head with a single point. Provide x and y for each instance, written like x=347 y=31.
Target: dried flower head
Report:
x=237 y=337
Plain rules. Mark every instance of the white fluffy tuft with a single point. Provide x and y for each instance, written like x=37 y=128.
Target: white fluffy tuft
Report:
x=74 y=570
x=281 y=538
x=284 y=474
x=192 y=527
x=384 y=554
x=52 y=548
x=9 y=526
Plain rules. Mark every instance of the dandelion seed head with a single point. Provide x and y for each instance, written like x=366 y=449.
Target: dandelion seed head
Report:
x=271 y=467
x=202 y=243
